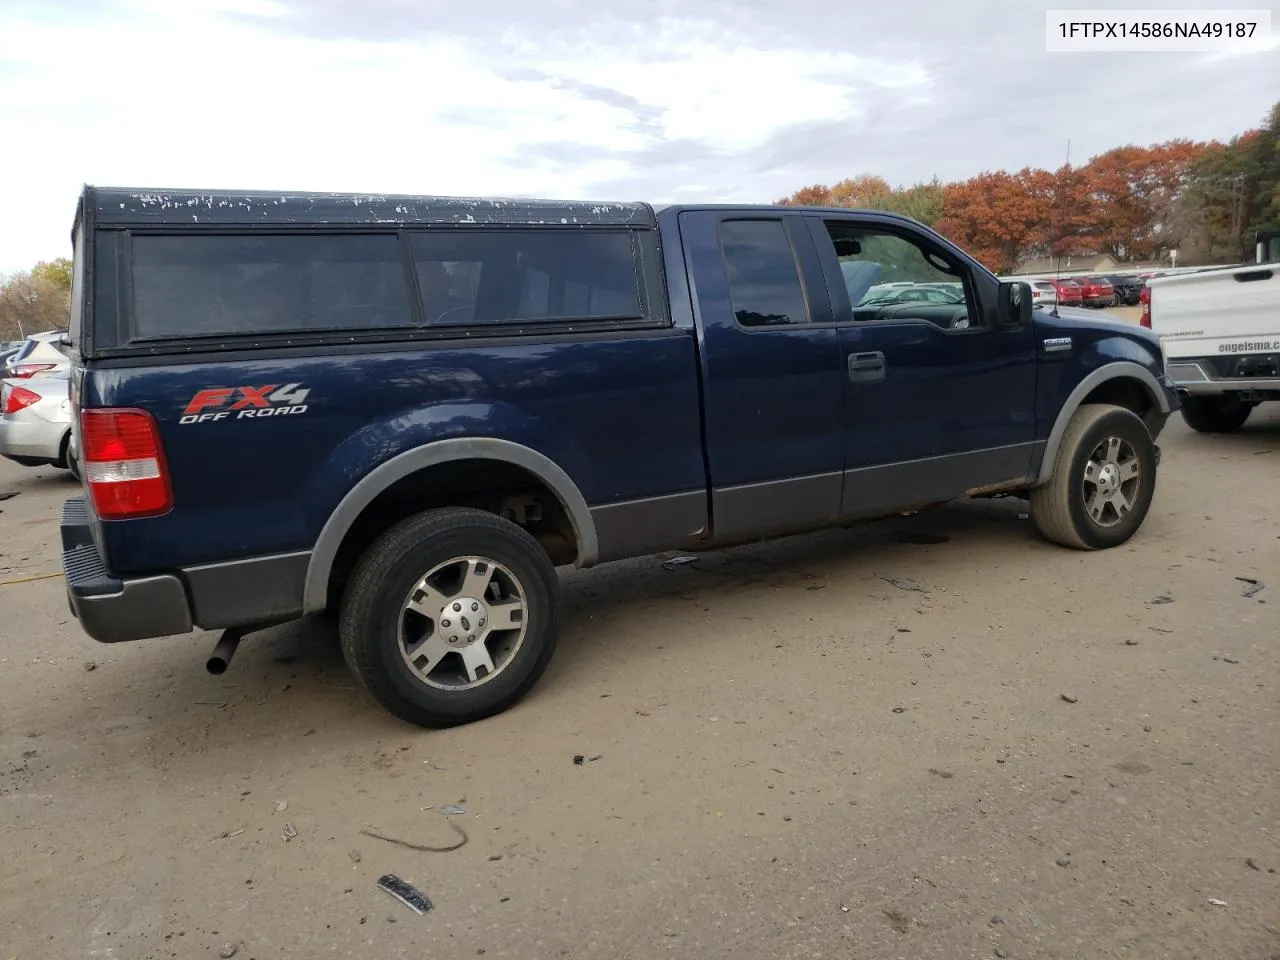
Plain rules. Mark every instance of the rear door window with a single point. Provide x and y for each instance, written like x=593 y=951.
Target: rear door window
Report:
x=204 y=286
x=764 y=280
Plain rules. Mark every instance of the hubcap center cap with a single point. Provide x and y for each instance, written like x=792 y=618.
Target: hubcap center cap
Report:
x=463 y=621
x=1108 y=479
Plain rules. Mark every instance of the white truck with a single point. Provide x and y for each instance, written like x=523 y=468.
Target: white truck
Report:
x=1220 y=331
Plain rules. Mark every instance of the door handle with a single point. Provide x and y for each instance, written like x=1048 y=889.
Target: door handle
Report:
x=866 y=367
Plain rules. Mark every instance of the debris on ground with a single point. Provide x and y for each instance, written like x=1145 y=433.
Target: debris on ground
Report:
x=1252 y=864
x=1160 y=629
x=1252 y=586
x=1063 y=861
x=420 y=847
x=90 y=666
x=899 y=709
x=1230 y=660
x=996 y=920
x=453 y=809
x=227 y=950
x=406 y=893
x=1130 y=642
x=579 y=759
x=944 y=774
x=1001 y=953
x=282 y=806
x=902 y=583
x=290 y=832
x=1163 y=598
x=495 y=857
x=354 y=855
x=900 y=921
x=210 y=703
x=595 y=758
x=678 y=562
x=1068 y=698
x=9 y=494
x=1214 y=901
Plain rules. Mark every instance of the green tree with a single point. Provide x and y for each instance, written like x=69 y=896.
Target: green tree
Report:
x=56 y=272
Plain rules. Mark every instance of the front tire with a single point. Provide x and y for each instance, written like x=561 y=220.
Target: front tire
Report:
x=1103 y=482
x=1220 y=414
x=450 y=616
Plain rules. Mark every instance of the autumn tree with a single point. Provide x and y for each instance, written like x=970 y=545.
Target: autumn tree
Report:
x=1232 y=191
x=814 y=196
x=996 y=217
x=922 y=201
x=31 y=303
x=1133 y=202
x=1133 y=191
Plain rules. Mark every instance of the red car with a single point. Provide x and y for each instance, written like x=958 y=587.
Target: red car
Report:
x=1069 y=294
x=1096 y=291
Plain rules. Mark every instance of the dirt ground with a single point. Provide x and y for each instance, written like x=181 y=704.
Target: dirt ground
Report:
x=1037 y=753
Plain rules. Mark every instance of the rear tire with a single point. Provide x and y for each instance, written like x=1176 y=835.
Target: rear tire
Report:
x=1215 y=414
x=1103 y=482
x=422 y=661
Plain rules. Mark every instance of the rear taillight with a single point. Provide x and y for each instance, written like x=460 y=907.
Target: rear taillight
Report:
x=123 y=463
x=1145 y=299
x=18 y=398
x=24 y=370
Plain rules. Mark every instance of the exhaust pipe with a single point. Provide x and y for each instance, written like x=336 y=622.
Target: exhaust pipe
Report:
x=223 y=651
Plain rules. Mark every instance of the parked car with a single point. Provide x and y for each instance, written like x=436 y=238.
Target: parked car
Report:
x=915 y=292
x=35 y=422
x=1096 y=291
x=1069 y=292
x=41 y=355
x=1128 y=289
x=1043 y=292
x=565 y=383
x=7 y=352
x=1221 y=332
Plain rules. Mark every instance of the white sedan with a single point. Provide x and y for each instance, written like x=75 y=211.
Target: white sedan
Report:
x=35 y=422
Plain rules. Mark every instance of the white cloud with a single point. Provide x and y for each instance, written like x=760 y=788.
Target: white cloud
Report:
x=157 y=93
x=602 y=99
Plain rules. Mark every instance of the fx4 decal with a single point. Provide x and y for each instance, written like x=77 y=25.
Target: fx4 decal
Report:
x=240 y=402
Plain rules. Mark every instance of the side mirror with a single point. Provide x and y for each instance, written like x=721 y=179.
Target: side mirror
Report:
x=1013 y=307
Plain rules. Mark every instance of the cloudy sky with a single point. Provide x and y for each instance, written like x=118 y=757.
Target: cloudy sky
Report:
x=601 y=99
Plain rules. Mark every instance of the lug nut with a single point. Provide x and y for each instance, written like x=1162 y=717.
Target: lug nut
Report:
x=457 y=606
x=444 y=623
x=475 y=606
x=482 y=623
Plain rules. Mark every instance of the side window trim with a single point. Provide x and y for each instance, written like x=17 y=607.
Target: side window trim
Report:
x=841 y=305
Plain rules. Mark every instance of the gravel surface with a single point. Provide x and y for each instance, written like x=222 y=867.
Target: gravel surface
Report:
x=785 y=756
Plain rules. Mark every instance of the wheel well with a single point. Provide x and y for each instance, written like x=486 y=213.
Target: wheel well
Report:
x=495 y=486
x=1130 y=394
x=1122 y=392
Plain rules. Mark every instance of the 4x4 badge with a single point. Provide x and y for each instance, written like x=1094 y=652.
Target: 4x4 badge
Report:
x=219 y=403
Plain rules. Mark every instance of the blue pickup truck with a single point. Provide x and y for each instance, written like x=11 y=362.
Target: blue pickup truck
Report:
x=408 y=411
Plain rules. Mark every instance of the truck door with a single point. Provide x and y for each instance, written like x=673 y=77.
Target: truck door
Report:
x=937 y=400
x=771 y=370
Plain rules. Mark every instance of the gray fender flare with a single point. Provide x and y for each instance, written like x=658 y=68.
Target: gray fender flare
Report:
x=1120 y=369
x=315 y=591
